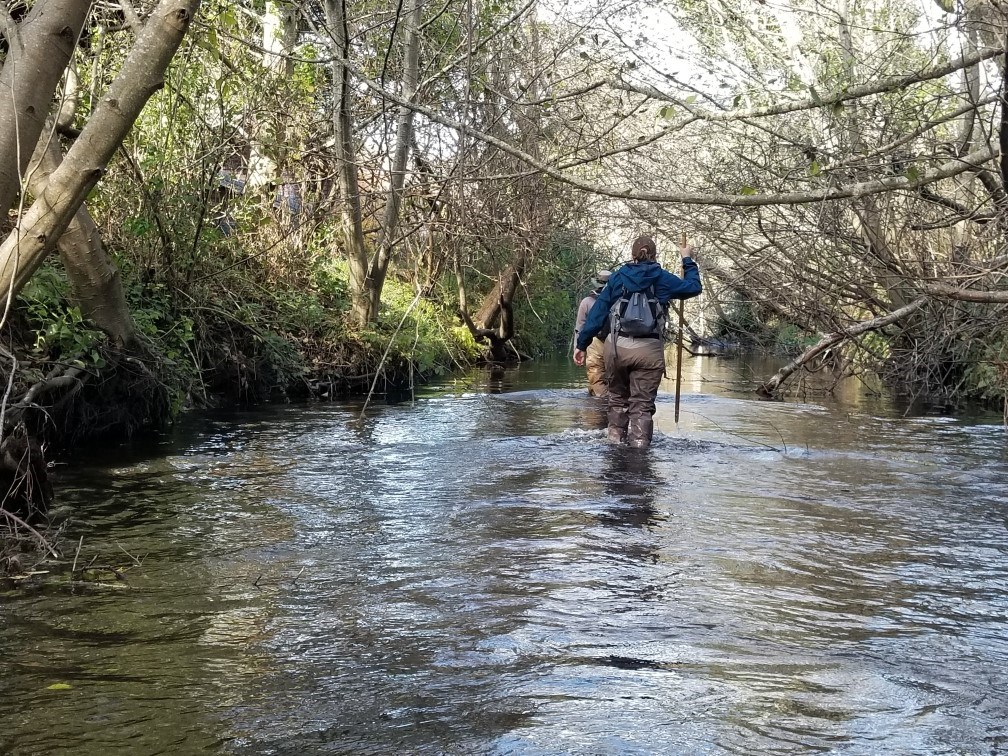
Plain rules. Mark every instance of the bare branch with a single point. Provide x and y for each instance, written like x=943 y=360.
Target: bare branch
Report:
x=966 y=295
x=953 y=167
x=830 y=340
x=132 y=19
x=890 y=84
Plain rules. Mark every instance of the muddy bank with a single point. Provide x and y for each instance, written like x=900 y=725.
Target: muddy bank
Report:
x=58 y=403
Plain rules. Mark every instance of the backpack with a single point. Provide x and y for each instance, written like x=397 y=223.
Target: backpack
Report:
x=637 y=314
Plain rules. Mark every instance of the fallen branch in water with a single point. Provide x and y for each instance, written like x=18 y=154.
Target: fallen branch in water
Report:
x=831 y=340
x=17 y=522
x=91 y=572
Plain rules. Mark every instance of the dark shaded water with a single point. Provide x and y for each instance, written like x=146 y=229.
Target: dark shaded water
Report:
x=478 y=572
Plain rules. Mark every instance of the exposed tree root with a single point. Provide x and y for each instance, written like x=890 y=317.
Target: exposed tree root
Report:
x=498 y=339
x=25 y=491
x=68 y=405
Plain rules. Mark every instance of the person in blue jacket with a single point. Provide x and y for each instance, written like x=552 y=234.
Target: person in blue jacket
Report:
x=635 y=366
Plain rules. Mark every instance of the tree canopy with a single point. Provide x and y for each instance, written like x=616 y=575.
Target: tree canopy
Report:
x=841 y=166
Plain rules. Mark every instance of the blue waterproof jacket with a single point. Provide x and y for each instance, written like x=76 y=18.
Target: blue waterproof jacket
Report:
x=637 y=277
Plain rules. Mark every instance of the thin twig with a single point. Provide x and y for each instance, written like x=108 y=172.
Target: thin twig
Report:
x=137 y=562
x=41 y=539
x=388 y=348
x=73 y=569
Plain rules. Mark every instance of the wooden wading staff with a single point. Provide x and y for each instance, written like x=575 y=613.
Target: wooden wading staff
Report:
x=678 y=367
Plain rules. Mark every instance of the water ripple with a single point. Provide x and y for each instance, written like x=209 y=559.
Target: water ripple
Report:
x=481 y=573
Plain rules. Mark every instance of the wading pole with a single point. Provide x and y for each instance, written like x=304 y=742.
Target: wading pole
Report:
x=678 y=364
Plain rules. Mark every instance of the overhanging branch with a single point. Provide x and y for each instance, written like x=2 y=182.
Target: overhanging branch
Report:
x=966 y=295
x=949 y=169
x=889 y=84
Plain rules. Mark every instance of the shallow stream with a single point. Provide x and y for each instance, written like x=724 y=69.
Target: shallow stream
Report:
x=478 y=572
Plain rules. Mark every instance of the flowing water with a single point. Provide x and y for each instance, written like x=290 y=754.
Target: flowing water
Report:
x=478 y=572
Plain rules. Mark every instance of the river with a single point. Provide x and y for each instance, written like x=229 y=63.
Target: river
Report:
x=477 y=572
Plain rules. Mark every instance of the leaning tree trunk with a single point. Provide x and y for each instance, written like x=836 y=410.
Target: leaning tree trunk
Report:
x=507 y=285
x=96 y=284
x=141 y=75
x=39 y=51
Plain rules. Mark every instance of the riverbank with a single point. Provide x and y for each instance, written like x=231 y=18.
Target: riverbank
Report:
x=209 y=346
x=60 y=406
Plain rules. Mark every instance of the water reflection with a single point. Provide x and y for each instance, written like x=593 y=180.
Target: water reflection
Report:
x=631 y=482
x=592 y=413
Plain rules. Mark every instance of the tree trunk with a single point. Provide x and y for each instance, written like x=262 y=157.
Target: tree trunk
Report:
x=350 y=206
x=507 y=286
x=141 y=75
x=39 y=51
x=96 y=283
x=397 y=180
x=279 y=36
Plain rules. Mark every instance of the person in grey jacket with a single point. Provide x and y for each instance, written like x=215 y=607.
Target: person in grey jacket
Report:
x=635 y=366
x=594 y=354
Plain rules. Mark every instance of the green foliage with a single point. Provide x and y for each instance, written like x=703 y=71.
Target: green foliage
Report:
x=877 y=343
x=986 y=374
x=546 y=307
x=427 y=337
x=331 y=279
x=157 y=316
x=546 y=322
x=743 y=323
x=791 y=340
x=285 y=364
x=60 y=329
